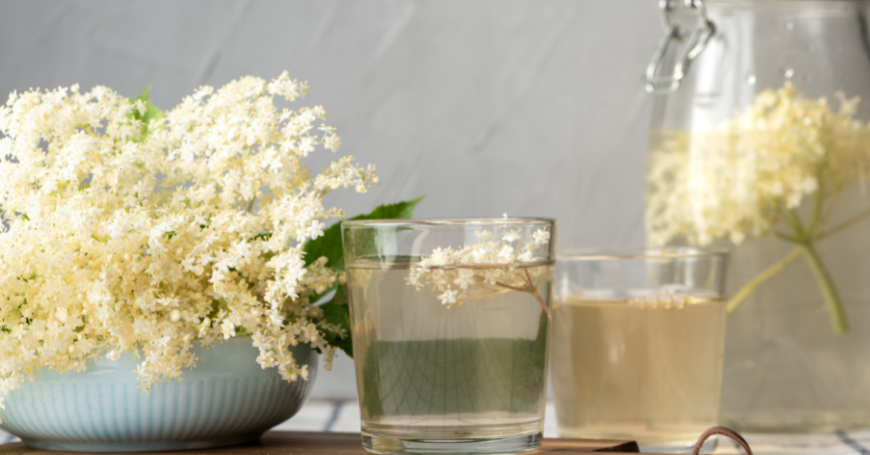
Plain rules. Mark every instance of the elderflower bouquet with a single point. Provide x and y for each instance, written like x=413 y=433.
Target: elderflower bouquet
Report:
x=126 y=230
x=747 y=179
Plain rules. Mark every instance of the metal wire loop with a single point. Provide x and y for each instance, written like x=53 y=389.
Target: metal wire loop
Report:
x=697 y=41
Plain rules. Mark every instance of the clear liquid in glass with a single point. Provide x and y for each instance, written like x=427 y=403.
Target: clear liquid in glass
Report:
x=433 y=374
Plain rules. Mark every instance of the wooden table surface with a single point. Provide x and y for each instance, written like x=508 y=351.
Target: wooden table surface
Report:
x=318 y=443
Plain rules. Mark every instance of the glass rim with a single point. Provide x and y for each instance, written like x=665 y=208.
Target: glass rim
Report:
x=448 y=222
x=597 y=254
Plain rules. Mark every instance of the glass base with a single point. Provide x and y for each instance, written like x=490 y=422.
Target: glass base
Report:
x=509 y=445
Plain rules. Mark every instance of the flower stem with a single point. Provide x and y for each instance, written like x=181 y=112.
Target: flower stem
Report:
x=845 y=225
x=826 y=285
x=762 y=278
x=804 y=239
x=530 y=288
x=534 y=291
x=512 y=288
x=543 y=304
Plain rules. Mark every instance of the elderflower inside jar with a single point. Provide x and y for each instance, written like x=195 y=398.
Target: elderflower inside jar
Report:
x=450 y=322
x=763 y=145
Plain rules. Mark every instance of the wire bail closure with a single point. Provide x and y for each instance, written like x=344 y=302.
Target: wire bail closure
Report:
x=697 y=41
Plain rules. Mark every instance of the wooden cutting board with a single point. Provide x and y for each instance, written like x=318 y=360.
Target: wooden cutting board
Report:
x=319 y=443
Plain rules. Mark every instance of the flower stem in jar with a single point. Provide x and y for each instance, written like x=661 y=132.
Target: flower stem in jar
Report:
x=805 y=240
x=762 y=278
x=826 y=285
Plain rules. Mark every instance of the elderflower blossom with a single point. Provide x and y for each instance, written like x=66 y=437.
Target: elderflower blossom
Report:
x=735 y=181
x=492 y=266
x=113 y=242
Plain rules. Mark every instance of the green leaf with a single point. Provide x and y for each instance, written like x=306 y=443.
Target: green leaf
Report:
x=151 y=112
x=329 y=244
x=399 y=211
x=336 y=310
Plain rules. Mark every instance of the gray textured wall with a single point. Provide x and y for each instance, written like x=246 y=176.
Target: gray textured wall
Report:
x=530 y=107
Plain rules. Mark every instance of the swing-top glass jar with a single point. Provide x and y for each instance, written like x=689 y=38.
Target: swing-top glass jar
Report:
x=763 y=144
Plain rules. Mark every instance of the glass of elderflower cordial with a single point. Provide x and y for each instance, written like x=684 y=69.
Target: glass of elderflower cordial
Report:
x=450 y=323
x=638 y=341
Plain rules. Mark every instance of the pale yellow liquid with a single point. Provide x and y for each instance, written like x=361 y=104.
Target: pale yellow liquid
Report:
x=428 y=372
x=650 y=373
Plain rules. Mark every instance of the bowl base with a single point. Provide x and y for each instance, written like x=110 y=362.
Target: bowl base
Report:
x=157 y=446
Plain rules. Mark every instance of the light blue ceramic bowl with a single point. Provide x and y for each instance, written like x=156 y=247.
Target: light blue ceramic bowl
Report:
x=227 y=399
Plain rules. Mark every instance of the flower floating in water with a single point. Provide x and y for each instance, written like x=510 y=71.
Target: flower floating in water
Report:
x=492 y=266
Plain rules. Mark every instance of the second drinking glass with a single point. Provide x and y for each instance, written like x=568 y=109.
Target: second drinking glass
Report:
x=638 y=345
x=450 y=323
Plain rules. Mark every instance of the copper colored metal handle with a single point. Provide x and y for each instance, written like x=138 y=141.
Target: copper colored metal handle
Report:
x=722 y=431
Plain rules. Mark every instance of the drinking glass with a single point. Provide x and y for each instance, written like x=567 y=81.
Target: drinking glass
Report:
x=638 y=340
x=450 y=324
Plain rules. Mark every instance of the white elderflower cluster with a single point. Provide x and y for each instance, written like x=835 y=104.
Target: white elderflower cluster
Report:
x=492 y=266
x=114 y=241
x=735 y=182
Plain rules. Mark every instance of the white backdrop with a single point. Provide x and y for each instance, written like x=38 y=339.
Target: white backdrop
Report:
x=530 y=107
